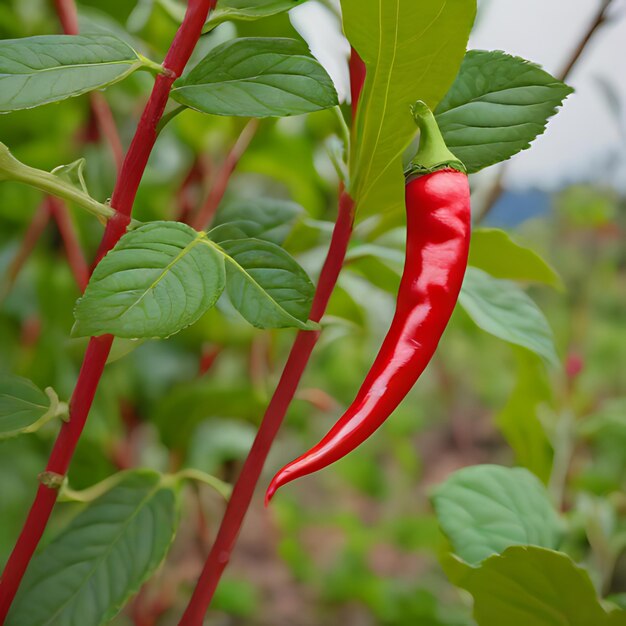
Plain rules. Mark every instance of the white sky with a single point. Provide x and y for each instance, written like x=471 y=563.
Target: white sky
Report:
x=587 y=139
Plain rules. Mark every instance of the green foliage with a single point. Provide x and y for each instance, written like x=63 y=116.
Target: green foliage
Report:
x=49 y=68
x=257 y=77
x=248 y=10
x=266 y=285
x=493 y=251
x=412 y=51
x=496 y=107
x=487 y=508
x=502 y=309
x=529 y=585
x=157 y=280
x=24 y=408
x=86 y=574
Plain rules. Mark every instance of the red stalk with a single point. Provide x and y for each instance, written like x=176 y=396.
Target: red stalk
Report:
x=68 y=16
x=99 y=347
x=218 y=189
x=294 y=368
x=75 y=256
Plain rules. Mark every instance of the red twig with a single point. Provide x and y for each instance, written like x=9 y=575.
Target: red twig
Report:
x=190 y=189
x=272 y=420
x=99 y=347
x=34 y=231
x=75 y=257
x=68 y=16
x=218 y=188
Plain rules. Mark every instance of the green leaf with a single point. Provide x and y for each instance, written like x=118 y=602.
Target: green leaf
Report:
x=248 y=10
x=487 y=508
x=24 y=408
x=532 y=586
x=257 y=77
x=519 y=420
x=267 y=286
x=258 y=218
x=493 y=251
x=39 y=70
x=88 y=572
x=496 y=107
x=502 y=309
x=412 y=50
x=157 y=280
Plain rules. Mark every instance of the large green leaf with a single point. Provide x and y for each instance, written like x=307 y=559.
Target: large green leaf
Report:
x=260 y=218
x=257 y=77
x=502 y=309
x=157 y=280
x=529 y=586
x=39 y=70
x=412 y=50
x=487 y=508
x=497 y=106
x=519 y=419
x=266 y=285
x=24 y=408
x=493 y=251
x=88 y=572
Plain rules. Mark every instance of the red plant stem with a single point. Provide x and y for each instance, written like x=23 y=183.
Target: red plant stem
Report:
x=68 y=16
x=186 y=196
x=99 y=347
x=75 y=257
x=294 y=368
x=34 y=231
x=357 y=78
x=218 y=189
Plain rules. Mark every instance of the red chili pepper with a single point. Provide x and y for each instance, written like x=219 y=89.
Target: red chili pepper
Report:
x=438 y=236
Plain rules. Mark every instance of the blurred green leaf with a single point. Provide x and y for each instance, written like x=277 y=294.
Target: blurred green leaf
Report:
x=88 y=572
x=496 y=107
x=519 y=420
x=24 y=408
x=530 y=585
x=247 y=10
x=502 y=309
x=487 y=508
x=493 y=251
x=49 y=68
x=157 y=280
x=411 y=50
x=257 y=77
x=266 y=285
x=259 y=218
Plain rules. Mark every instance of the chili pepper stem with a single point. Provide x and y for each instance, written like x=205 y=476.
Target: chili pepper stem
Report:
x=433 y=154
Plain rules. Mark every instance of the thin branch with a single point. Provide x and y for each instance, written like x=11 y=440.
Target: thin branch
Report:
x=34 y=231
x=218 y=188
x=99 y=347
x=600 y=18
x=294 y=368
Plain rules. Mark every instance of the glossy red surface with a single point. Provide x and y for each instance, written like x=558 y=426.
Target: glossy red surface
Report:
x=438 y=235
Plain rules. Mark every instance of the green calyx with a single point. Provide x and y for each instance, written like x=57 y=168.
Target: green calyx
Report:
x=433 y=154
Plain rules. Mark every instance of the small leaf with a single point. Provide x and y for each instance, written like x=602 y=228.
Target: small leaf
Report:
x=519 y=419
x=493 y=251
x=73 y=173
x=267 y=286
x=88 y=572
x=496 y=107
x=49 y=68
x=412 y=50
x=24 y=408
x=157 y=280
x=248 y=10
x=257 y=77
x=502 y=309
x=487 y=508
x=532 y=586
x=260 y=218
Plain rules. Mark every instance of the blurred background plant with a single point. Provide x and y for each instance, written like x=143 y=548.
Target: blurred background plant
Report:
x=360 y=543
